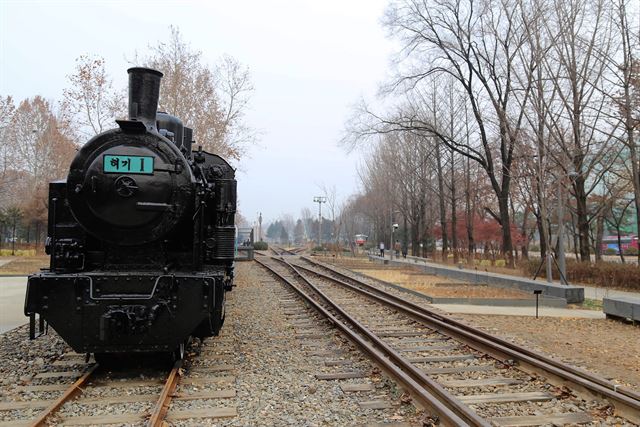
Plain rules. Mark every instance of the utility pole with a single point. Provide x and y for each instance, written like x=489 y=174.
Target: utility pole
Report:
x=320 y=200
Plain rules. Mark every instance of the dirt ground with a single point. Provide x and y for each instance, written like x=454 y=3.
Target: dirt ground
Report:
x=606 y=347
x=434 y=286
x=437 y=286
x=23 y=265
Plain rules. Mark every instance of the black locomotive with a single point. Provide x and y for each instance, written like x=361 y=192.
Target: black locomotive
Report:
x=141 y=237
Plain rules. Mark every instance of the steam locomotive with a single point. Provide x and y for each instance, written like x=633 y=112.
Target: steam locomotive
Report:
x=141 y=237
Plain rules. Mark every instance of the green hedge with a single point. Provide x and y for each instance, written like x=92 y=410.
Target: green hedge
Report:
x=260 y=246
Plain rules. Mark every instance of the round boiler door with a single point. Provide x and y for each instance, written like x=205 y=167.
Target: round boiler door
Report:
x=129 y=188
x=126 y=187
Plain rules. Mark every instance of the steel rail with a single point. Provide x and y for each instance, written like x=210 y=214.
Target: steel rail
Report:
x=576 y=371
x=430 y=394
x=279 y=251
x=69 y=393
x=162 y=405
x=626 y=401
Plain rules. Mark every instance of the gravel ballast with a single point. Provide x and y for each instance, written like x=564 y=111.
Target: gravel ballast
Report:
x=275 y=369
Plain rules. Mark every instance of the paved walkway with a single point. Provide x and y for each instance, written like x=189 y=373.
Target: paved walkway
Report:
x=599 y=293
x=519 y=311
x=12 y=291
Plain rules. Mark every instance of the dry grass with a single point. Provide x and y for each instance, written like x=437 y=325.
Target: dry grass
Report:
x=403 y=277
x=438 y=286
x=605 y=274
x=23 y=265
x=434 y=286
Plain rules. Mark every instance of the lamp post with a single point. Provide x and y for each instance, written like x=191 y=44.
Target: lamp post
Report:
x=260 y=227
x=320 y=200
x=394 y=226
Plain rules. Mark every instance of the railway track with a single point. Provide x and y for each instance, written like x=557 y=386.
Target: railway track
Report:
x=129 y=396
x=278 y=251
x=134 y=396
x=464 y=375
x=71 y=391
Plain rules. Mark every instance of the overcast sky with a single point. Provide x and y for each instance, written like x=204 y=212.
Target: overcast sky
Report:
x=310 y=62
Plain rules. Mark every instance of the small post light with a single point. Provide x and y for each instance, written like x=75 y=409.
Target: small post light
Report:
x=537 y=293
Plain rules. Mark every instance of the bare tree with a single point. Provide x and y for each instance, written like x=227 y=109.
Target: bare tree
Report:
x=213 y=101
x=7 y=109
x=91 y=104
x=307 y=220
x=627 y=98
x=335 y=211
x=40 y=152
x=476 y=44
x=577 y=63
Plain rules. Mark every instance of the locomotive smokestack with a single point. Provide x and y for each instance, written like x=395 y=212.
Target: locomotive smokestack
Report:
x=144 y=91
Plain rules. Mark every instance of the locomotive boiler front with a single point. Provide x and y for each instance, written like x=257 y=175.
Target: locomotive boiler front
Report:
x=131 y=186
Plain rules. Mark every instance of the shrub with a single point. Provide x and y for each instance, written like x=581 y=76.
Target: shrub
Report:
x=485 y=263
x=260 y=246
x=18 y=252
x=610 y=251
x=534 y=248
x=631 y=251
x=604 y=274
x=500 y=263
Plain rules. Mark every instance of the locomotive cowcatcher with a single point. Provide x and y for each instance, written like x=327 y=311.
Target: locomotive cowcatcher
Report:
x=140 y=237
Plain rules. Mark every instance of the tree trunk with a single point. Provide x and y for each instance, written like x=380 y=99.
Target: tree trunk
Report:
x=37 y=236
x=620 y=251
x=441 y=200
x=576 y=242
x=468 y=213
x=525 y=225
x=415 y=241
x=505 y=221
x=13 y=238
x=599 y=233
x=454 y=219
x=542 y=232
x=583 y=220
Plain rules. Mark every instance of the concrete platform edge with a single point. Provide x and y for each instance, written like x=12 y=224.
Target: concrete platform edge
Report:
x=622 y=308
x=571 y=294
x=545 y=301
